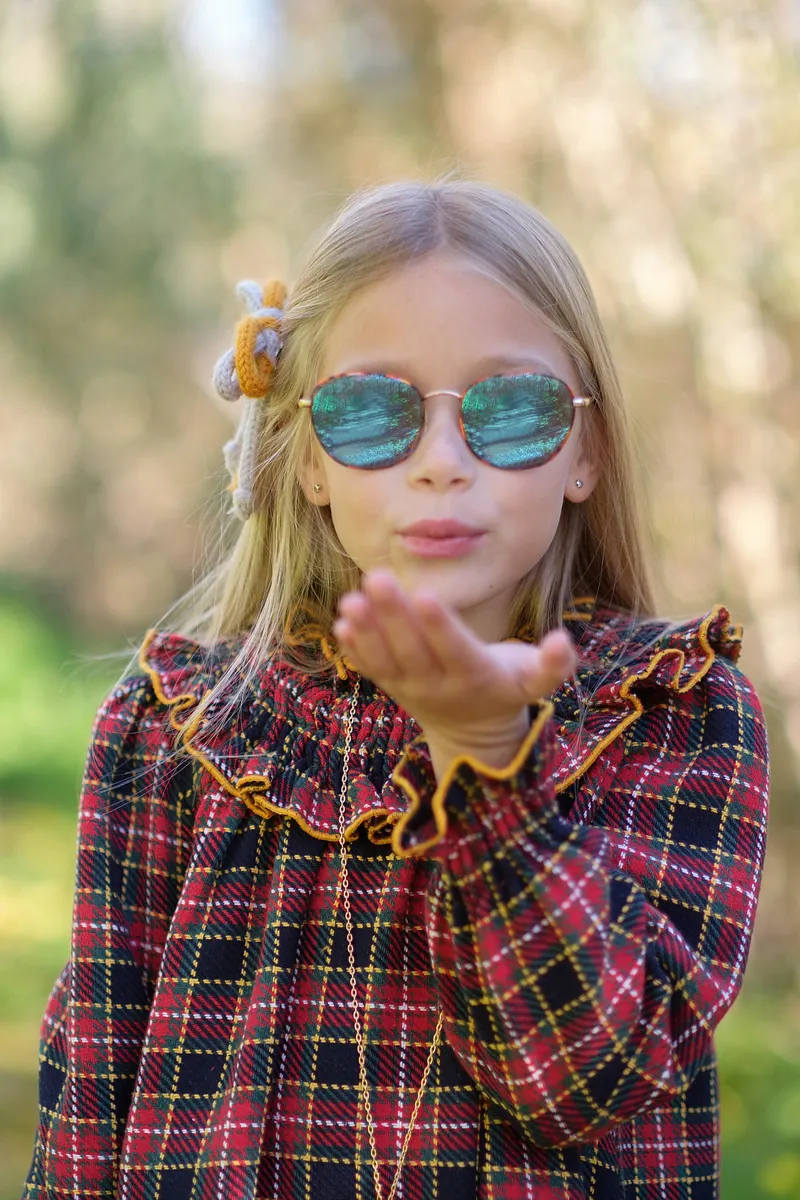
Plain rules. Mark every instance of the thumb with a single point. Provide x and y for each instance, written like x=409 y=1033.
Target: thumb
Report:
x=556 y=661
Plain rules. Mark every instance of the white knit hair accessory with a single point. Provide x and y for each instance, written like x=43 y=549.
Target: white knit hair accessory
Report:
x=246 y=371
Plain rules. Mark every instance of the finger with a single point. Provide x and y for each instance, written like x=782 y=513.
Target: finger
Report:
x=456 y=649
x=360 y=635
x=400 y=624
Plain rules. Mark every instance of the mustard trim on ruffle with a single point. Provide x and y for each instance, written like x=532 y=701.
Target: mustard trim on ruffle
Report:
x=500 y=774
x=385 y=825
x=378 y=818
x=581 y=609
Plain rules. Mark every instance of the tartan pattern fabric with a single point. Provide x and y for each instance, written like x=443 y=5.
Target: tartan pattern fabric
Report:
x=582 y=917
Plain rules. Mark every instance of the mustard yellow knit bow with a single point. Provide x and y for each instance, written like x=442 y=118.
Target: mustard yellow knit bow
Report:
x=247 y=370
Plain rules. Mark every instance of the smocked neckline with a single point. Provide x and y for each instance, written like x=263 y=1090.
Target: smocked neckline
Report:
x=280 y=753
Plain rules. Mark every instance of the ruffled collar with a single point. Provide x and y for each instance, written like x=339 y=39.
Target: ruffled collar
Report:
x=280 y=753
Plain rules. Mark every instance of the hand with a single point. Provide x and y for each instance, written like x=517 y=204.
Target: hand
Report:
x=462 y=691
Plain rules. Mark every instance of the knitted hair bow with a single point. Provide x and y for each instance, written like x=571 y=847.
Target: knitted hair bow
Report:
x=247 y=370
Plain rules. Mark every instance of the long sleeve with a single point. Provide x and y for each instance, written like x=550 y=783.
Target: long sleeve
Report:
x=134 y=834
x=582 y=968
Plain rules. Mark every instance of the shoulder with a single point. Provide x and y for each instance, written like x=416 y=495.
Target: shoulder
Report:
x=694 y=663
x=646 y=686
x=231 y=705
x=227 y=678
x=268 y=733
x=607 y=636
x=178 y=666
x=139 y=719
x=685 y=692
x=166 y=669
x=654 y=657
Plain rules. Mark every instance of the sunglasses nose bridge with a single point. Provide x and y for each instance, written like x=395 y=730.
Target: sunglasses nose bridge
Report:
x=439 y=392
x=442 y=392
x=437 y=431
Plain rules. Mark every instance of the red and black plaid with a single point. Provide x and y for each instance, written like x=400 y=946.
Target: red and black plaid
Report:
x=583 y=919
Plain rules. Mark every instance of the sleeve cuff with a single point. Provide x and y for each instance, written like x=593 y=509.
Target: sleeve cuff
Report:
x=441 y=818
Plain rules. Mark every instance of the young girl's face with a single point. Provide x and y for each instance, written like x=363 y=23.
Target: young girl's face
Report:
x=441 y=324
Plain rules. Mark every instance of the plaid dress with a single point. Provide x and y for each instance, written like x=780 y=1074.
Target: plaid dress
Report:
x=582 y=918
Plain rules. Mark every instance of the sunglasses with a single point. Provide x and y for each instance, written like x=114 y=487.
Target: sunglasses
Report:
x=508 y=421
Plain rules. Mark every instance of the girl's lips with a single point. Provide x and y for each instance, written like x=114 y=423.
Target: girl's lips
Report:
x=441 y=527
x=440 y=547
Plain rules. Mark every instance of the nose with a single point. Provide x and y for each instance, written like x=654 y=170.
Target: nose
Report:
x=441 y=459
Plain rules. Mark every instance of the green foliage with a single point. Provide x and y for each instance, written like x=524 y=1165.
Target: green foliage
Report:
x=49 y=693
x=47 y=707
x=37 y=855
x=759 y=1055
x=120 y=178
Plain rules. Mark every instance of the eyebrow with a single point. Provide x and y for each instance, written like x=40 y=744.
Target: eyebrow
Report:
x=482 y=369
x=508 y=362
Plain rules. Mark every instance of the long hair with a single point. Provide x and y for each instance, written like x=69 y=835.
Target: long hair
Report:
x=287 y=558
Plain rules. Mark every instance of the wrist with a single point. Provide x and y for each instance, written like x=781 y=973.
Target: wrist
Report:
x=495 y=744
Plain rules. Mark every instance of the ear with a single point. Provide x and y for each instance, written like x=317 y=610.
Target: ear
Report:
x=584 y=466
x=311 y=473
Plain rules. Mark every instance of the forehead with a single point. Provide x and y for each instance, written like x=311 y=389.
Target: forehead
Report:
x=441 y=321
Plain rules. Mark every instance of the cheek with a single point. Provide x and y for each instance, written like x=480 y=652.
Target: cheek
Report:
x=352 y=491
x=357 y=499
x=529 y=510
x=539 y=491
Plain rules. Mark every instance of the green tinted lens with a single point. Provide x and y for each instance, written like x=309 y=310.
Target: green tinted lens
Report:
x=517 y=421
x=366 y=420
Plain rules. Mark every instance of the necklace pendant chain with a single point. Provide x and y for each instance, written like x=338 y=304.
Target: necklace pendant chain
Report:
x=361 y=1045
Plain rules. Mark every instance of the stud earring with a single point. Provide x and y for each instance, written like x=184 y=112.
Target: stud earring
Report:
x=579 y=483
x=318 y=487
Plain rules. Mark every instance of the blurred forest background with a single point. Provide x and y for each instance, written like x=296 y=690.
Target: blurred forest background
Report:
x=154 y=153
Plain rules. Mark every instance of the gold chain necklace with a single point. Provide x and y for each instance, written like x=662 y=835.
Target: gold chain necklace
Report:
x=360 y=1041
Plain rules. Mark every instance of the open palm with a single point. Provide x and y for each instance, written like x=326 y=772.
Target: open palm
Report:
x=420 y=652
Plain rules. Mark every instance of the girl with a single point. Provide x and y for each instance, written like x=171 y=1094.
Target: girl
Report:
x=418 y=859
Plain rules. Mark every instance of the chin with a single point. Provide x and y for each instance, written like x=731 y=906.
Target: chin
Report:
x=452 y=583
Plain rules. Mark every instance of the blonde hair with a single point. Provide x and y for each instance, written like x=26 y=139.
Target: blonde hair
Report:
x=287 y=557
